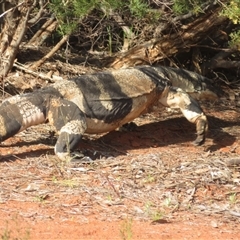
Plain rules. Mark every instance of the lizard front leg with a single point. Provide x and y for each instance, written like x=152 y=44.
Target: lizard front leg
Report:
x=70 y=121
x=177 y=98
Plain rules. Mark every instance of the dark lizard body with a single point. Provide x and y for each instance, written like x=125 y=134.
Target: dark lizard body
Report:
x=104 y=101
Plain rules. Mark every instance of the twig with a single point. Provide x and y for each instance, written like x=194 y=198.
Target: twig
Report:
x=236 y=214
x=9 y=10
x=51 y=53
x=112 y=186
x=41 y=75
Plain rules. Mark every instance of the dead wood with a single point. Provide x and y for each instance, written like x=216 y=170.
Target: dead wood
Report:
x=51 y=53
x=13 y=48
x=168 y=45
x=45 y=31
x=220 y=60
x=16 y=21
x=51 y=78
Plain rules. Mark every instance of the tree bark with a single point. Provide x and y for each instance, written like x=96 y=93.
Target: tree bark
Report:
x=12 y=18
x=12 y=50
x=16 y=21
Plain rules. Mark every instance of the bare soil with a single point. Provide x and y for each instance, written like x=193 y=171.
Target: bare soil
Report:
x=149 y=182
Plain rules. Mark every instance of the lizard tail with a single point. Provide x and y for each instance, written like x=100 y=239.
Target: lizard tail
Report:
x=20 y=112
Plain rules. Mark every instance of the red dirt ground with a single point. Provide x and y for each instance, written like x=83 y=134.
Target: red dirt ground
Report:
x=150 y=183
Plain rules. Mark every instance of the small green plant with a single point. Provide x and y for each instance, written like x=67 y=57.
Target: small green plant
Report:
x=69 y=13
x=8 y=234
x=149 y=179
x=141 y=9
x=138 y=8
x=185 y=6
x=71 y=183
x=233 y=198
x=109 y=197
x=189 y=206
x=126 y=229
x=151 y=211
x=167 y=202
x=232 y=11
x=40 y=199
x=54 y=179
x=157 y=215
x=148 y=206
x=235 y=39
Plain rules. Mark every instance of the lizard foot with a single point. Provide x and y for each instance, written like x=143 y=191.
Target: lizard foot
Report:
x=202 y=127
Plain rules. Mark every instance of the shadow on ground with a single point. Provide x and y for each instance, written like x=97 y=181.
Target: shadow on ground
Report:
x=174 y=131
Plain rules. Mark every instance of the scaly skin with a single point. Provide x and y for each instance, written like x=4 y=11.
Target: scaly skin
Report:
x=104 y=101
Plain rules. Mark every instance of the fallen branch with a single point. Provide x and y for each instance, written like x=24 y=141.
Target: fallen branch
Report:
x=169 y=45
x=51 y=79
x=9 y=10
x=218 y=61
x=51 y=53
x=43 y=32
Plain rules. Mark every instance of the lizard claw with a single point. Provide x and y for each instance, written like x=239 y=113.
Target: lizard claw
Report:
x=199 y=140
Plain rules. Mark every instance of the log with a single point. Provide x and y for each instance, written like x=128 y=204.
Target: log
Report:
x=169 y=45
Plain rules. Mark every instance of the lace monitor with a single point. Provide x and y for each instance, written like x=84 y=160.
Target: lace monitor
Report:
x=104 y=101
